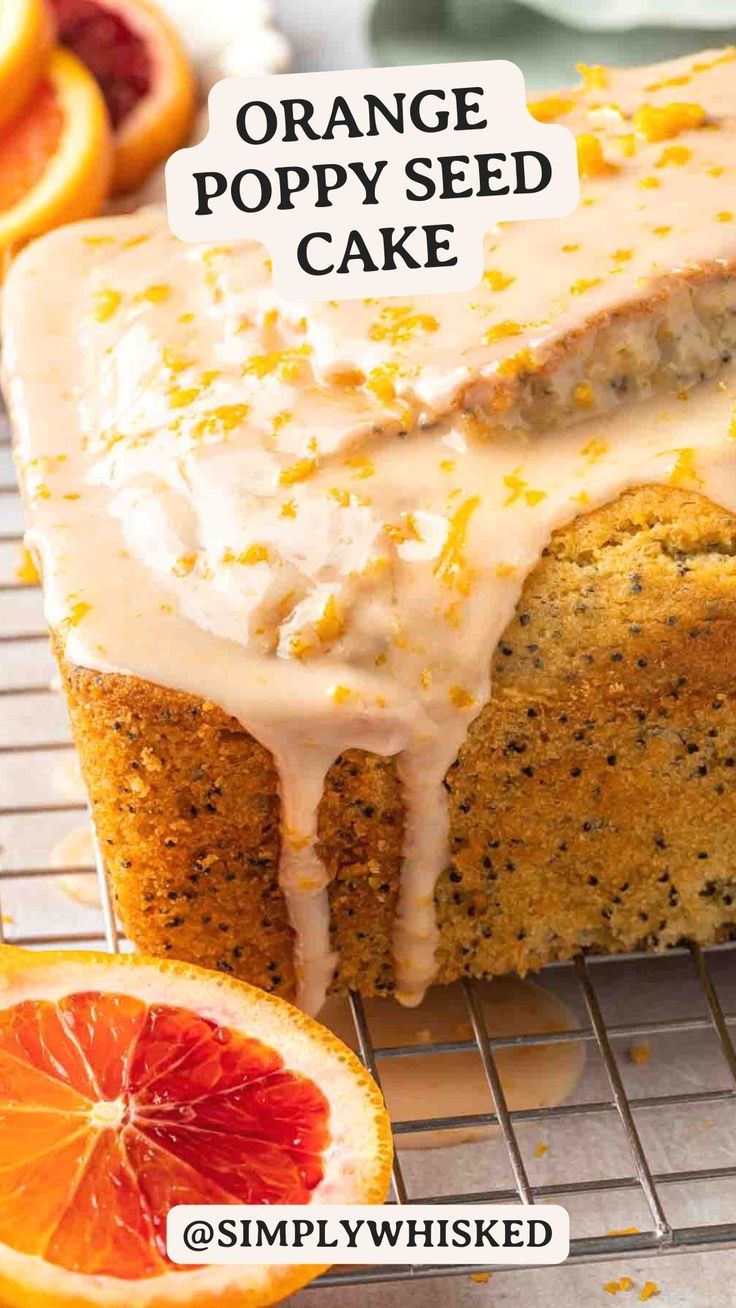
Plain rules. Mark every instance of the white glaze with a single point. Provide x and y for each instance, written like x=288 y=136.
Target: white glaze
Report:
x=220 y=507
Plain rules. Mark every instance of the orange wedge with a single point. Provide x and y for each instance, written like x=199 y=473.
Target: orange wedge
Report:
x=144 y=75
x=55 y=156
x=128 y=1085
x=26 y=38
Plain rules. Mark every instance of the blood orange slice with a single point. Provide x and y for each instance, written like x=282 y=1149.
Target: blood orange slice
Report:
x=128 y=1085
x=144 y=75
x=26 y=38
x=55 y=156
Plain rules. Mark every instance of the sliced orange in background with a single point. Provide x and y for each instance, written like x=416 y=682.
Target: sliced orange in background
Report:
x=55 y=155
x=128 y=1085
x=26 y=36
x=145 y=77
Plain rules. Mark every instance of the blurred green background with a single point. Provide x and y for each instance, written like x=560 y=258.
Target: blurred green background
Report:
x=545 y=37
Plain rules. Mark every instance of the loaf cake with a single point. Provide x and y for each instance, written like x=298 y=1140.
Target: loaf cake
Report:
x=396 y=635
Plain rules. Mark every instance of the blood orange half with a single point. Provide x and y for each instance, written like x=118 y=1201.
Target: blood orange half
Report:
x=128 y=1085
x=54 y=155
x=144 y=74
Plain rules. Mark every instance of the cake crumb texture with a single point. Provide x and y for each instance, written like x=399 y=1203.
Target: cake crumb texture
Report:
x=592 y=804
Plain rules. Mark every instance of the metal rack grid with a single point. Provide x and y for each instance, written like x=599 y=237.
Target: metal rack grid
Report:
x=22 y=629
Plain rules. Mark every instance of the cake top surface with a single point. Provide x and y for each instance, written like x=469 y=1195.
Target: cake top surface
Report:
x=321 y=516
x=657 y=153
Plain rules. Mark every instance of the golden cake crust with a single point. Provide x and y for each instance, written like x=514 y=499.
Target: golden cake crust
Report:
x=592 y=805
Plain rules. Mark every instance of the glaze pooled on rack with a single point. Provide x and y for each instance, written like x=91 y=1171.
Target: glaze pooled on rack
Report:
x=320 y=517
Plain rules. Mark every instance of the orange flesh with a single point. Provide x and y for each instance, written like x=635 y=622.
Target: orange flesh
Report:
x=27 y=144
x=115 y=53
x=112 y=1111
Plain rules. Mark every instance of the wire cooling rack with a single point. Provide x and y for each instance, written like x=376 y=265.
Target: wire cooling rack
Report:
x=674 y=1169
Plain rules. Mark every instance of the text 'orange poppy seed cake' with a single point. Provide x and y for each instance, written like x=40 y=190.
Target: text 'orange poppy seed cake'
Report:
x=397 y=636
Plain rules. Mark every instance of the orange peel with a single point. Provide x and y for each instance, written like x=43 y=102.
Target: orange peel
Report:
x=27 y=33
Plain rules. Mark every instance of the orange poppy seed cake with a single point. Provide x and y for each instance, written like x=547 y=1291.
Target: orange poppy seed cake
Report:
x=396 y=635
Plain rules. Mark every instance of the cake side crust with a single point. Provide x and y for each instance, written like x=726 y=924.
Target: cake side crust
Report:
x=592 y=803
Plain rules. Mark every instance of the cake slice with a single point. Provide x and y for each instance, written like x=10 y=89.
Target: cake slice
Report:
x=581 y=313
x=395 y=636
